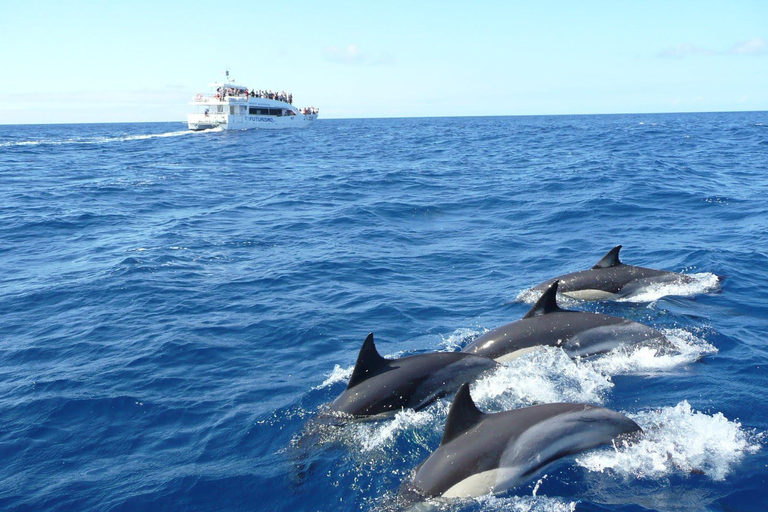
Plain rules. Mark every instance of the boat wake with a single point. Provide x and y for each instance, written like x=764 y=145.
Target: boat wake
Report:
x=102 y=140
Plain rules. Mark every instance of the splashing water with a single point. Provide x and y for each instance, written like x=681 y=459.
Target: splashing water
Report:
x=677 y=439
x=459 y=339
x=686 y=348
x=705 y=282
x=525 y=504
x=382 y=435
x=338 y=374
x=545 y=375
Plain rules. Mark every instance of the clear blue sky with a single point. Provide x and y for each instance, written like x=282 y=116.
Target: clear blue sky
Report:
x=143 y=61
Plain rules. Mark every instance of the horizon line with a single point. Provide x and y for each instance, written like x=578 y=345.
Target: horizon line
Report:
x=419 y=117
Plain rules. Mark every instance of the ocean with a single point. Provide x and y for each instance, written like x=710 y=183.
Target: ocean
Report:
x=178 y=308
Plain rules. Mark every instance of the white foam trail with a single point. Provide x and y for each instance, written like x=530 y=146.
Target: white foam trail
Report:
x=677 y=439
x=704 y=282
x=104 y=140
x=337 y=375
x=686 y=348
x=145 y=137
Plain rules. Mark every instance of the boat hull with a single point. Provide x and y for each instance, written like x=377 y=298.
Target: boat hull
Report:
x=246 y=122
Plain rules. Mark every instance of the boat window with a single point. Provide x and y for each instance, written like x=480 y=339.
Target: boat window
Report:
x=262 y=111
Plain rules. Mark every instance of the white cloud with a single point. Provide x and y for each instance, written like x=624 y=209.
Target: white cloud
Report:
x=754 y=46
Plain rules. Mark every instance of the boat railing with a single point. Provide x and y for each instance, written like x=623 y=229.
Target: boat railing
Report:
x=217 y=98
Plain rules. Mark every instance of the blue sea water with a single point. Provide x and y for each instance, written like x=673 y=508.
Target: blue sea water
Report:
x=176 y=308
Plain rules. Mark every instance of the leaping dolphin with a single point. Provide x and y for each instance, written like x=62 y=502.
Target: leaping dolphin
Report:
x=490 y=453
x=578 y=333
x=611 y=279
x=379 y=386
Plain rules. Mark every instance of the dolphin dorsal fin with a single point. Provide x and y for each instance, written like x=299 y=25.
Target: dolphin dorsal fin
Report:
x=547 y=303
x=369 y=363
x=609 y=260
x=462 y=416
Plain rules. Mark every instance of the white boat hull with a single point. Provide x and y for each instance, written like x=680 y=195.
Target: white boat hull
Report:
x=245 y=122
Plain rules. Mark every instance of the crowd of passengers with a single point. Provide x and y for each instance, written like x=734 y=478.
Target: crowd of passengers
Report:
x=223 y=92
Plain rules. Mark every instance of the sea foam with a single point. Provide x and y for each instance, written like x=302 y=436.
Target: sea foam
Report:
x=677 y=439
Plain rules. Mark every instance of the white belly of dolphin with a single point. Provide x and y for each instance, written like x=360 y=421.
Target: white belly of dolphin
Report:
x=589 y=294
x=514 y=355
x=476 y=485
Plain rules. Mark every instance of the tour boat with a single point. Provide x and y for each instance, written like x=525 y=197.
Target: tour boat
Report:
x=235 y=107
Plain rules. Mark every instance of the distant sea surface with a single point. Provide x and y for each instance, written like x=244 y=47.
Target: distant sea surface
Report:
x=177 y=308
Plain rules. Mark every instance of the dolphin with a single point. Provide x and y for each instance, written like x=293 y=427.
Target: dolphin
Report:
x=578 y=333
x=611 y=279
x=484 y=453
x=379 y=386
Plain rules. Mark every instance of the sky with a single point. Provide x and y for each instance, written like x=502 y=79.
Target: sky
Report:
x=120 y=61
